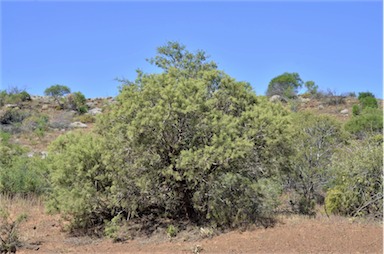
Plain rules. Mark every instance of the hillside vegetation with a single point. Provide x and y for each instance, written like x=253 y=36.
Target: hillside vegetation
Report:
x=192 y=146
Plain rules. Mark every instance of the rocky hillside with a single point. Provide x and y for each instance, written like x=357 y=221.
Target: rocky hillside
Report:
x=36 y=122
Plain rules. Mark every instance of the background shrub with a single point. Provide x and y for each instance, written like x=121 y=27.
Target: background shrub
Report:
x=18 y=173
x=77 y=101
x=356 y=110
x=316 y=139
x=363 y=95
x=357 y=185
x=369 y=120
x=13 y=115
x=368 y=102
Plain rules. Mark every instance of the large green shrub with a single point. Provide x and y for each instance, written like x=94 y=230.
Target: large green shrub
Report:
x=357 y=185
x=190 y=143
x=179 y=132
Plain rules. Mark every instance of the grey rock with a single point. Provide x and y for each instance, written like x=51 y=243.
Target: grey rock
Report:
x=44 y=154
x=78 y=125
x=275 y=98
x=344 y=112
x=95 y=111
x=304 y=100
x=10 y=105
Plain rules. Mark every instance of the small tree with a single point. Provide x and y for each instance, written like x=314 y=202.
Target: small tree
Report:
x=57 y=92
x=311 y=87
x=76 y=101
x=316 y=139
x=286 y=84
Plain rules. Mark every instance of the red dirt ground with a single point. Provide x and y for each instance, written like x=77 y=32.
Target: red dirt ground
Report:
x=42 y=233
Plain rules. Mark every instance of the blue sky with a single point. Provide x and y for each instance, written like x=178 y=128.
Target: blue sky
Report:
x=85 y=45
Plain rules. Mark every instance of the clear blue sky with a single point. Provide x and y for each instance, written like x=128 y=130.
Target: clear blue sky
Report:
x=86 y=45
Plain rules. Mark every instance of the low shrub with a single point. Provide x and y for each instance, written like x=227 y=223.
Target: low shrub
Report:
x=23 y=176
x=13 y=96
x=9 y=231
x=77 y=101
x=85 y=118
x=369 y=120
x=356 y=110
x=12 y=116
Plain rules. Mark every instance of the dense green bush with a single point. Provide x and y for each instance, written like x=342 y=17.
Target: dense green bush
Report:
x=190 y=143
x=357 y=173
x=369 y=120
x=80 y=181
x=368 y=102
x=363 y=95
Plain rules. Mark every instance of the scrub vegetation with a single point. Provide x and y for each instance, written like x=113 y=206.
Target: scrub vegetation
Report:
x=192 y=145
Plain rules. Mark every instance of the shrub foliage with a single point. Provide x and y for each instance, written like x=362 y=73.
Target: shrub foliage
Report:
x=190 y=143
x=357 y=186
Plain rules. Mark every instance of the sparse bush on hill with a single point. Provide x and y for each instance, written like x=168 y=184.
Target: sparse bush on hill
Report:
x=37 y=123
x=57 y=92
x=315 y=141
x=9 y=231
x=286 y=85
x=12 y=116
x=13 y=95
x=311 y=87
x=76 y=101
x=357 y=179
